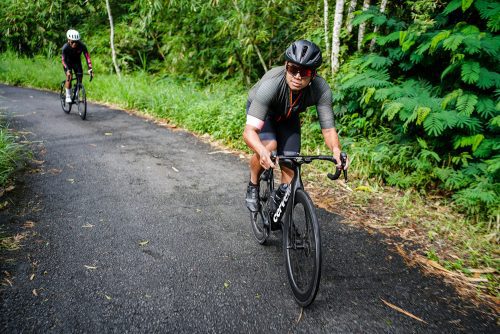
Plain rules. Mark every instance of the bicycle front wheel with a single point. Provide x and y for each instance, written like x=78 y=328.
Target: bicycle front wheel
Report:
x=62 y=96
x=302 y=248
x=82 y=102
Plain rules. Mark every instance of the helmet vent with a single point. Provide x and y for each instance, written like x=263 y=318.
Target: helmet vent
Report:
x=304 y=51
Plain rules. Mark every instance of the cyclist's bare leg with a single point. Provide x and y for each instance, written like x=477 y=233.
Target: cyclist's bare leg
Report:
x=255 y=167
x=68 y=80
x=286 y=174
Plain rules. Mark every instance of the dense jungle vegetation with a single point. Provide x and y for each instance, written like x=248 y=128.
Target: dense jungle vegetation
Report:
x=416 y=94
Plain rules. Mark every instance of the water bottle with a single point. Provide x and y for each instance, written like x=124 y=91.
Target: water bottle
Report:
x=280 y=199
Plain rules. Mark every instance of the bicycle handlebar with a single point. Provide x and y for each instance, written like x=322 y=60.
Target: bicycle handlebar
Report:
x=300 y=159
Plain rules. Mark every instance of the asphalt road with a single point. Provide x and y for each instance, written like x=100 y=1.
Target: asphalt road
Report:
x=138 y=228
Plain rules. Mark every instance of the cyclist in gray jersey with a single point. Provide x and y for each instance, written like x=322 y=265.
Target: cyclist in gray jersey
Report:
x=273 y=108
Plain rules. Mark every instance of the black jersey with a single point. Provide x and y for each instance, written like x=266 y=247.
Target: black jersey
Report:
x=270 y=97
x=72 y=56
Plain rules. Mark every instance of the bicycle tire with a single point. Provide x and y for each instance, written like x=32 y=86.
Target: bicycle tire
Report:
x=302 y=248
x=82 y=102
x=260 y=228
x=62 y=96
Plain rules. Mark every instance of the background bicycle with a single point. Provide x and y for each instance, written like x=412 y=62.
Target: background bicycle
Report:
x=78 y=96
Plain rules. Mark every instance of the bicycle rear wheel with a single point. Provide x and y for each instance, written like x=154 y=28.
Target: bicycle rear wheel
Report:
x=82 y=102
x=260 y=220
x=62 y=96
x=302 y=248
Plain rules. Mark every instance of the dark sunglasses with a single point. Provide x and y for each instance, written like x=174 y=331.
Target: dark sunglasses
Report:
x=303 y=71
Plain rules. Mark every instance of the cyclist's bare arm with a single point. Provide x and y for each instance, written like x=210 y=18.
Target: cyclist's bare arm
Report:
x=251 y=137
x=332 y=141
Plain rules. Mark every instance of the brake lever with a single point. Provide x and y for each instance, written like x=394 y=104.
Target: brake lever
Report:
x=343 y=161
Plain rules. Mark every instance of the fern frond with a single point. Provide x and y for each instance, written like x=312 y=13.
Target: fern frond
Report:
x=451 y=43
x=422 y=113
x=470 y=72
x=362 y=16
x=485 y=149
x=488 y=79
x=452 y=6
x=451 y=97
x=434 y=124
x=369 y=78
x=494 y=122
x=486 y=107
x=466 y=103
x=466 y=122
x=493 y=165
x=489 y=10
x=391 y=109
x=490 y=45
x=415 y=58
x=423 y=47
x=473 y=141
x=452 y=67
x=466 y=4
x=472 y=45
x=392 y=37
x=377 y=62
x=438 y=38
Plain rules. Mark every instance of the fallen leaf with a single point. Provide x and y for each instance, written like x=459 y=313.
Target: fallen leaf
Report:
x=108 y=133
x=301 y=315
x=107 y=297
x=32 y=277
x=54 y=171
x=8 y=281
x=35 y=293
x=402 y=311
x=175 y=169
x=226 y=284
x=483 y=271
x=90 y=267
x=88 y=226
x=10 y=188
x=93 y=145
x=144 y=242
x=4 y=205
x=29 y=224
x=71 y=180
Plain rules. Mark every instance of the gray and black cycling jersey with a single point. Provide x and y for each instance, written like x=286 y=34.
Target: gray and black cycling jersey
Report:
x=270 y=97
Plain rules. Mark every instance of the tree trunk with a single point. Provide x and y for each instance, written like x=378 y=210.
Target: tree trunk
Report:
x=327 y=28
x=383 y=4
x=362 y=26
x=111 y=40
x=260 y=57
x=350 y=15
x=337 y=24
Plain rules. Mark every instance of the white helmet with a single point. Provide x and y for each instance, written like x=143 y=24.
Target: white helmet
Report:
x=73 y=35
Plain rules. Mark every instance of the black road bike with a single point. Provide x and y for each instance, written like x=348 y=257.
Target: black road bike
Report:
x=78 y=96
x=296 y=217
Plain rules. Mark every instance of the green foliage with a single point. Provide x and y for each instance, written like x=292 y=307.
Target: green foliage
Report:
x=11 y=154
x=433 y=83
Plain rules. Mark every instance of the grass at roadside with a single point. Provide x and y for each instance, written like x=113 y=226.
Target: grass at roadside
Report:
x=431 y=231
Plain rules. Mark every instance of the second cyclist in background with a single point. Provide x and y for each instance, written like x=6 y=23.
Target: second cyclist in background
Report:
x=71 y=59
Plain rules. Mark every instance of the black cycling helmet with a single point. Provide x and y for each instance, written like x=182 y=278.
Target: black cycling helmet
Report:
x=304 y=53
